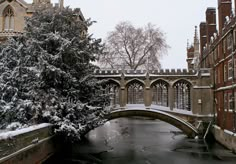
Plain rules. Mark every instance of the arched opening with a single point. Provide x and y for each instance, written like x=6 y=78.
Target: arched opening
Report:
x=8 y=19
x=182 y=95
x=160 y=93
x=135 y=90
x=113 y=89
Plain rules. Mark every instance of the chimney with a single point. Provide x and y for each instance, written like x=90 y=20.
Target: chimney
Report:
x=210 y=23
x=203 y=36
x=224 y=9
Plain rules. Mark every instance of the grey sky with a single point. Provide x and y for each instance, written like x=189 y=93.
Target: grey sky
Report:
x=175 y=18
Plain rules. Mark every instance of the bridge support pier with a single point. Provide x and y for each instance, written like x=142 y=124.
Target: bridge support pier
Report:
x=171 y=98
x=148 y=97
x=122 y=97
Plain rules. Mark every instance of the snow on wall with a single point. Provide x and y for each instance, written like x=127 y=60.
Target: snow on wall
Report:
x=11 y=134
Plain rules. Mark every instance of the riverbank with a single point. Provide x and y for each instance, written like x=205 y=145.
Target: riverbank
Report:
x=225 y=137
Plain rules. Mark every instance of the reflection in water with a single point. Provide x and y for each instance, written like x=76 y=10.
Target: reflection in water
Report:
x=145 y=141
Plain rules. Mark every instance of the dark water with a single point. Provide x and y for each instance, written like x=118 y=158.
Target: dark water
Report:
x=144 y=141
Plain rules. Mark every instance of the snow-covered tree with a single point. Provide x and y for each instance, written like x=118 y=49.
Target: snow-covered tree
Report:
x=46 y=75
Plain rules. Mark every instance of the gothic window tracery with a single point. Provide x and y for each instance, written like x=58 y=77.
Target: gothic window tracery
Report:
x=182 y=95
x=113 y=90
x=160 y=93
x=135 y=93
x=8 y=19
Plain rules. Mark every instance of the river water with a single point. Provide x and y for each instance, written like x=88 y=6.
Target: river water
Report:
x=145 y=141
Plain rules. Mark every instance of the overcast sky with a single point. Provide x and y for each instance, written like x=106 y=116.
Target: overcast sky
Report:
x=175 y=18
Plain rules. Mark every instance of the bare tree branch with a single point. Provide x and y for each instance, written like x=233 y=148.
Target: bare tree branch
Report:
x=134 y=48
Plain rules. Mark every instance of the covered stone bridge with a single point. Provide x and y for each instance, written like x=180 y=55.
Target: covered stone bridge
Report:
x=184 y=90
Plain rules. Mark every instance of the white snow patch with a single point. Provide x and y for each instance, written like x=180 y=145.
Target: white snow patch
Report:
x=11 y=134
x=162 y=108
x=135 y=106
x=14 y=125
x=228 y=132
x=216 y=127
x=46 y=114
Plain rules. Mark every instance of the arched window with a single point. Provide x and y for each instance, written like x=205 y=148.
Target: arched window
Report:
x=113 y=90
x=8 y=19
x=182 y=95
x=160 y=93
x=135 y=93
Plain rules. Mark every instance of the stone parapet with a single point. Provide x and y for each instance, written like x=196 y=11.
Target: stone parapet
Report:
x=172 y=72
x=225 y=137
x=27 y=146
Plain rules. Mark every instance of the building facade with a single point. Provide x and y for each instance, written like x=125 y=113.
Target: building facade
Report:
x=217 y=52
x=13 y=13
x=193 y=53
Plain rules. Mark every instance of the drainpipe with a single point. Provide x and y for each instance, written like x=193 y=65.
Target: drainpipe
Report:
x=214 y=84
x=233 y=78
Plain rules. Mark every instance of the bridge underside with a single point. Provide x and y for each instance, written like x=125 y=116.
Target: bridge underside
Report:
x=183 y=125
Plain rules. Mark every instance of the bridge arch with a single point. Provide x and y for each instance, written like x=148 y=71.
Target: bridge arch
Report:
x=186 y=127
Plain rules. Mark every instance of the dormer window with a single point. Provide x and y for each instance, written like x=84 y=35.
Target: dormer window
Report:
x=8 y=18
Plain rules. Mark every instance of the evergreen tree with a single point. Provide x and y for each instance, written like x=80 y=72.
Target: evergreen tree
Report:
x=46 y=75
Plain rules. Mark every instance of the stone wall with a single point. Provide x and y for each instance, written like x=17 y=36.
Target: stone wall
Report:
x=27 y=146
x=225 y=137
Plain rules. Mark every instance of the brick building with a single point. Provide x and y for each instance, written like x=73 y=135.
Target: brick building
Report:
x=217 y=52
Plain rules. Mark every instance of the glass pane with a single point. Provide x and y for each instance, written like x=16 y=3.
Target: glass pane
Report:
x=135 y=93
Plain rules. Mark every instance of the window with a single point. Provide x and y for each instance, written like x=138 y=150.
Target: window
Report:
x=182 y=95
x=219 y=76
x=219 y=51
x=8 y=18
x=135 y=93
x=230 y=69
x=215 y=54
x=160 y=93
x=113 y=90
x=235 y=68
x=230 y=102
x=234 y=99
x=216 y=76
x=225 y=72
x=225 y=101
x=229 y=41
x=224 y=46
x=234 y=36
